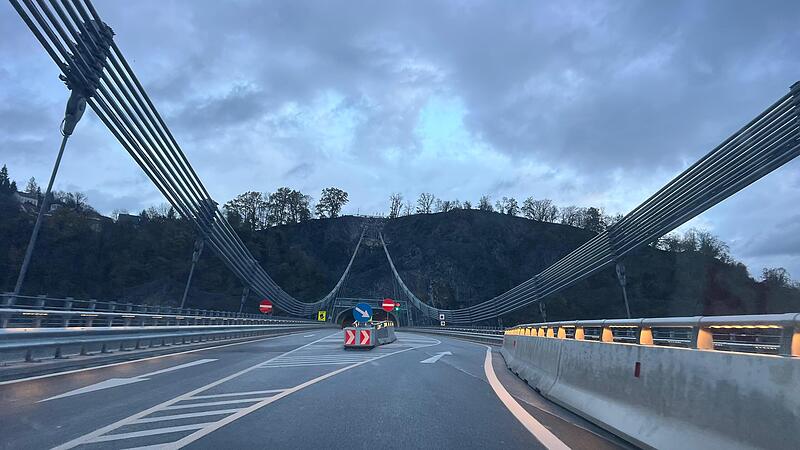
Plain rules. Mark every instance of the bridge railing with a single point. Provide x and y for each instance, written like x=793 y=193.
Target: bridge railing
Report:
x=43 y=311
x=486 y=335
x=773 y=334
x=31 y=345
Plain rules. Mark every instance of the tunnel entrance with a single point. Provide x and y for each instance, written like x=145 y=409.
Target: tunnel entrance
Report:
x=345 y=318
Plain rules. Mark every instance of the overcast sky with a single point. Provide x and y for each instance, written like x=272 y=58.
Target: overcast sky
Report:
x=588 y=103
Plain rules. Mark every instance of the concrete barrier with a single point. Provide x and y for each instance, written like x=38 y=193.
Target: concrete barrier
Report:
x=677 y=399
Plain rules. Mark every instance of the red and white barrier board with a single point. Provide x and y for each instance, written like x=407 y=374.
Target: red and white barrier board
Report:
x=359 y=337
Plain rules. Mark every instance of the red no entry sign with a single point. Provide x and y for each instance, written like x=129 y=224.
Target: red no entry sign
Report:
x=265 y=306
x=387 y=305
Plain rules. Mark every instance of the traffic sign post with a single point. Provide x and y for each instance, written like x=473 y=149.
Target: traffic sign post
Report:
x=362 y=312
x=265 y=306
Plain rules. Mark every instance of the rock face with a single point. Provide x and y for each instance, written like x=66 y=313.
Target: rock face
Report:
x=461 y=257
x=451 y=259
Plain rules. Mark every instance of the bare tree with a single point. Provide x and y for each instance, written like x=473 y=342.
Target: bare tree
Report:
x=510 y=206
x=542 y=210
x=467 y=204
x=408 y=209
x=485 y=203
x=395 y=205
x=32 y=187
x=573 y=216
x=425 y=203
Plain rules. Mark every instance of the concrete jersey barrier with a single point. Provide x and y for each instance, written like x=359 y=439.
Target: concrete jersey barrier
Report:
x=678 y=398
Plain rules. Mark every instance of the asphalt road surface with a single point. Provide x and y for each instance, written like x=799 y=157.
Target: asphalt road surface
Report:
x=297 y=391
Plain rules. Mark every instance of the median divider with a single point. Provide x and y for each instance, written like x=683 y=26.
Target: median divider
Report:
x=664 y=397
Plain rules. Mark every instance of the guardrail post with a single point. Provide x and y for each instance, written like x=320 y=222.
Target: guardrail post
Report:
x=112 y=305
x=68 y=303
x=40 y=299
x=92 y=305
x=129 y=307
x=8 y=299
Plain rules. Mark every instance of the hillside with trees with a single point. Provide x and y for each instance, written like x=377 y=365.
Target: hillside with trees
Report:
x=449 y=253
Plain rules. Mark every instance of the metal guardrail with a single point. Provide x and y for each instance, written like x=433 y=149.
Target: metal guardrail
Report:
x=43 y=311
x=491 y=336
x=772 y=334
x=30 y=344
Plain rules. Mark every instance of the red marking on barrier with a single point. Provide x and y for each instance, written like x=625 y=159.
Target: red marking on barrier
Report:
x=637 y=369
x=349 y=337
x=364 y=337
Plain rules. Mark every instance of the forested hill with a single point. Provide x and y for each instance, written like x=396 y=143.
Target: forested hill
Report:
x=452 y=259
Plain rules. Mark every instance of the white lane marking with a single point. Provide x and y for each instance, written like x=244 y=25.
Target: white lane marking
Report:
x=236 y=394
x=114 y=382
x=215 y=412
x=173 y=368
x=307 y=365
x=539 y=431
x=216 y=425
x=85 y=369
x=435 y=358
x=245 y=411
x=221 y=402
x=153 y=432
x=309 y=335
x=89 y=436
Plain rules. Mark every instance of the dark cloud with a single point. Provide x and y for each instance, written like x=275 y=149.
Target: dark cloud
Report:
x=580 y=101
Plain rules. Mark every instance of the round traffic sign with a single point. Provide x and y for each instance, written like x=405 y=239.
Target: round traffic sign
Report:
x=388 y=305
x=265 y=306
x=362 y=312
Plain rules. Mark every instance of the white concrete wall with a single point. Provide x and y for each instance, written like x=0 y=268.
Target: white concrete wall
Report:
x=682 y=399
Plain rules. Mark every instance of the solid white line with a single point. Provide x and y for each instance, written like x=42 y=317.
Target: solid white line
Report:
x=221 y=402
x=310 y=335
x=87 y=437
x=135 y=434
x=235 y=394
x=186 y=415
x=67 y=372
x=539 y=431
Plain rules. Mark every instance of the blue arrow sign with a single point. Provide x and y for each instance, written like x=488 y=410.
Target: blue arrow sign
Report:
x=362 y=312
